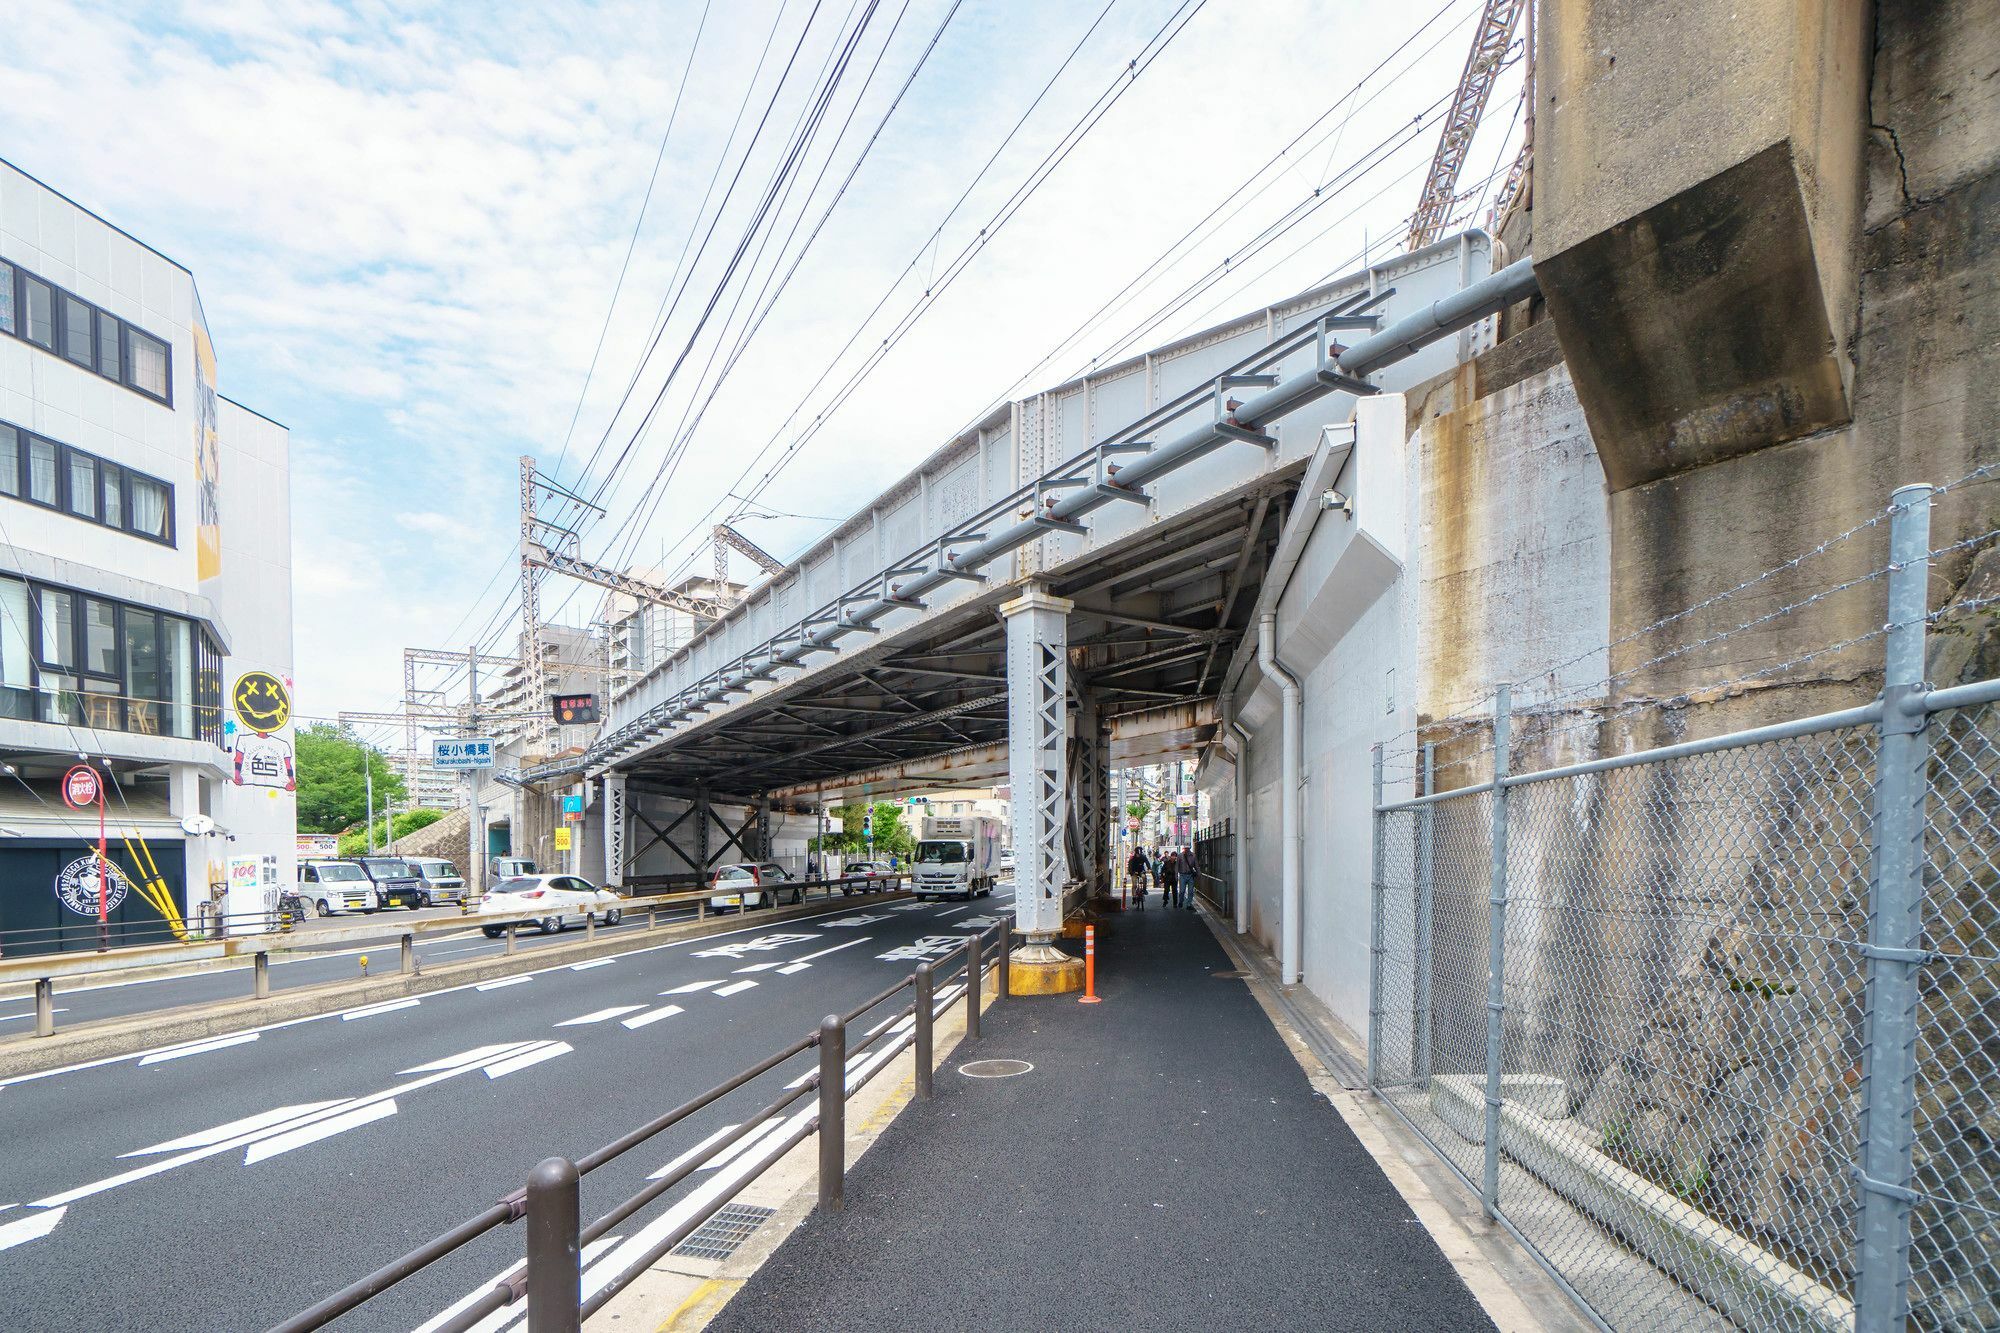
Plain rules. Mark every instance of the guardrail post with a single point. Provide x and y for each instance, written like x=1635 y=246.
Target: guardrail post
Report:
x=832 y=1112
x=510 y=936
x=652 y=918
x=1006 y=959
x=409 y=954
x=260 y=975
x=589 y=927
x=925 y=1006
x=45 y=1006
x=1895 y=947
x=555 y=1270
x=972 y=984
x=1496 y=953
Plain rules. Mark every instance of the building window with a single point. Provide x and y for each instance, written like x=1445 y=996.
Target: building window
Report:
x=46 y=315
x=105 y=664
x=146 y=368
x=39 y=303
x=85 y=485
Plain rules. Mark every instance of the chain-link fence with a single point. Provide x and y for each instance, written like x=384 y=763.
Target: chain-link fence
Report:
x=1716 y=1030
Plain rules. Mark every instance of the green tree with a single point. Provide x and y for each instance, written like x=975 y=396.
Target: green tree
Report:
x=333 y=788
x=406 y=822
x=891 y=835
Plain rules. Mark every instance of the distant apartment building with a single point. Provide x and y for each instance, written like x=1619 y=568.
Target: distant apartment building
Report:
x=145 y=588
x=427 y=786
x=573 y=662
x=644 y=634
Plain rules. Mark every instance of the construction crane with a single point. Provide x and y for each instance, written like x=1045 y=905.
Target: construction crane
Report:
x=1490 y=41
x=726 y=537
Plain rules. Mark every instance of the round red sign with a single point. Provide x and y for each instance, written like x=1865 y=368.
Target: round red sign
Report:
x=80 y=787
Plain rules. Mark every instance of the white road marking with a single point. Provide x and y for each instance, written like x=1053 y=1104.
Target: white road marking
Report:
x=466 y=1058
x=365 y=1114
x=594 y=962
x=240 y=1039
x=791 y=968
x=859 y=919
x=692 y=1153
x=807 y=958
x=27 y=1013
x=762 y=944
x=736 y=988
x=505 y=981
x=691 y=988
x=743 y=1145
x=202 y=1138
x=442 y=1317
x=638 y=1021
x=917 y=906
x=516 y=1063
x=372 y=1010
x=32 y=1227
x=599 y=1015
x=757 y=967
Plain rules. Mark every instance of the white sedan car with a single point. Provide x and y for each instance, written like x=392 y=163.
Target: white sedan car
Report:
x=549 y=902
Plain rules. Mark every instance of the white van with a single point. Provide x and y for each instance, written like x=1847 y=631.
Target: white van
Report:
x=333 y=887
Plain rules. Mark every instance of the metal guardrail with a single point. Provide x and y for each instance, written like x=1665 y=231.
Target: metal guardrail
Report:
x=550 y=1279
x=45 y=969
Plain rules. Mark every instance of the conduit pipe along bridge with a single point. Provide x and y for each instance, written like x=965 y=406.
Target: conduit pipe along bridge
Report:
x=1048 y=595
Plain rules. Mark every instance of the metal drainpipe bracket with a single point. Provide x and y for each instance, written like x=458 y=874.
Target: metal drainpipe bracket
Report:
x=1235 y=432
x=945 y=557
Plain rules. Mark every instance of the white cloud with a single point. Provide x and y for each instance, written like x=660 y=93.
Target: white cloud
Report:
x=405 y=221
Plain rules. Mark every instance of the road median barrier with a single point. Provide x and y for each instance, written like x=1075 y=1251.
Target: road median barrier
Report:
x=259 y=1007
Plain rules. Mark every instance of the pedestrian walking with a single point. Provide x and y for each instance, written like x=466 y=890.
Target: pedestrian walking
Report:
x=1169 y=878
x=1188 y=873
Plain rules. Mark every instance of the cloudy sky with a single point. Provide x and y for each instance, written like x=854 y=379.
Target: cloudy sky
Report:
x=408 y=221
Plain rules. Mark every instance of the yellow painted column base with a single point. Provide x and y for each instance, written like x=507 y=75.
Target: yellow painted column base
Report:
x=1061 y=975
x=1072 y=929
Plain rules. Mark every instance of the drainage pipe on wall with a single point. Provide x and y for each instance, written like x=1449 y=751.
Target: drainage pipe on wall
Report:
x=1240 y=858
x=1291 y=932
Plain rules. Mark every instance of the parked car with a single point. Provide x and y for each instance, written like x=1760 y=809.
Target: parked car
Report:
x=509 y=867
x=442 y=882
x=396 y=883
x=332 y=887
x=549 y=903
x=754 y=884
x=1007 y=862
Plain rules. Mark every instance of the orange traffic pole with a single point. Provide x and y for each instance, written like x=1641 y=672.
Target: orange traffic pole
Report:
x=1089 y=995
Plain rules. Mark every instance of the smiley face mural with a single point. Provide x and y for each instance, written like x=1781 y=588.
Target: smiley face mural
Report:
x=261 y=706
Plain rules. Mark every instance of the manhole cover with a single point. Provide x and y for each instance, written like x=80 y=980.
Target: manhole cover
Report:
x=994 y=1068
x=1230 y=976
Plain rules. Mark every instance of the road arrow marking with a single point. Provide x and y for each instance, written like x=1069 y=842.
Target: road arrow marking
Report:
x=691 y=988
x=513 y=1064
x=32 y=1227
x=202 y=1138
x=652 y=1016
x=199 y=1048
x=325 y=1129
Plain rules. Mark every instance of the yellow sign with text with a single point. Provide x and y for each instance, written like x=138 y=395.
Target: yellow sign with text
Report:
x=562 y=839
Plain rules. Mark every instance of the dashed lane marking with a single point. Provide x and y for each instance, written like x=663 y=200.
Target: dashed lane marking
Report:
x=199 y=1048
x=504 y=981
x=372 y=1010
x=599 y=1015
x=594 y=962
x=736 y=988
x=638 y=1021
x=691 y=988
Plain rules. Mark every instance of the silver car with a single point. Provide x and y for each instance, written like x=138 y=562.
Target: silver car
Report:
x=442 y=882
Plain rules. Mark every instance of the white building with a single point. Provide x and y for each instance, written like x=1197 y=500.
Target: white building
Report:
x=645 y=634
x=145 y=586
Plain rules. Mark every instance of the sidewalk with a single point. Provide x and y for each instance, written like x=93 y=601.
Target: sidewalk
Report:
x=1165 y=1165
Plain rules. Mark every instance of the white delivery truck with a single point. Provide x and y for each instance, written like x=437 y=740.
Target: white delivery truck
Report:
x=957 y=855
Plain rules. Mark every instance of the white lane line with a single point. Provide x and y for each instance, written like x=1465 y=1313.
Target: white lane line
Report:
x=594 y=962
x=81 y=1065
x=737 y=988
x=203 y=1138
x=757 y=967
x=743 y=1145
x=465 y=1059
x=791 y=969
x=32 y=1227
x=241 y=1038
x=691 y=988
x=599 y=1015
x=692 y=1153
x=27 y=1013
x=808 y=957
x=515 y=1064
x=365 y=1114
x=638 y=1021
x=372 y=1010
x=444 y=1316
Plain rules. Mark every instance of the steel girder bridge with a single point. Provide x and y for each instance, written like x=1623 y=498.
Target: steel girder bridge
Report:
x=1055 y=592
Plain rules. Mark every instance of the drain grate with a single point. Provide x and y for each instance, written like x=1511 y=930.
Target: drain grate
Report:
x=723 y=1235
x=994 y=1068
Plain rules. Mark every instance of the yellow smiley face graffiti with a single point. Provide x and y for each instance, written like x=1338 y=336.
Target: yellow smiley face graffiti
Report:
x=261 y=701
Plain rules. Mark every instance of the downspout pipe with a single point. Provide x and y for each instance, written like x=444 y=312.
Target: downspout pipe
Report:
x=1240 y=816
x=1291 y=929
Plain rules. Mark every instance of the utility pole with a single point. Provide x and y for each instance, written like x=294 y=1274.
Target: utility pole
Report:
x=368 y=778
x=475 y=826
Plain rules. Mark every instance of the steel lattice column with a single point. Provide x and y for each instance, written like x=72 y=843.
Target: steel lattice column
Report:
x=611 y=809
x=1089 y=792
x=1037 y=740
x=764 y=826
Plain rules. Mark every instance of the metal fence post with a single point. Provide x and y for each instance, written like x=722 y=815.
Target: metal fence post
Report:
x=1376 y=897
x=555 y=1269
x=45 y=1006
x=260 y=976
x=832 y=1111
x=1006 y=986
x=1420 y=1035
x=510 y=936
x=1496 y=953
x=1895 y=932
x=972 y=983
x=925 y=1005
x=407 y=955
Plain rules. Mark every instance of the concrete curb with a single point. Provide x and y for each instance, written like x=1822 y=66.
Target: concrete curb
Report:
x=113 y=1037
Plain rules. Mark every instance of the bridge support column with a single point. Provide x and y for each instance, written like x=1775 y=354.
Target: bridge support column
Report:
x=1090 y=795
x=612 y=812
x=1038 y=769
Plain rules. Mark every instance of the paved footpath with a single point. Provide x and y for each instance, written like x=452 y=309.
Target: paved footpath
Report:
x=1166 y=1165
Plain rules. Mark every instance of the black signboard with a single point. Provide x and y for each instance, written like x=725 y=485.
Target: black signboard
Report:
x=575 y=709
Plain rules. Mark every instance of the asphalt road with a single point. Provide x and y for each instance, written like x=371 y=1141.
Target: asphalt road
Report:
x=229 y=1183
x=88 y=999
